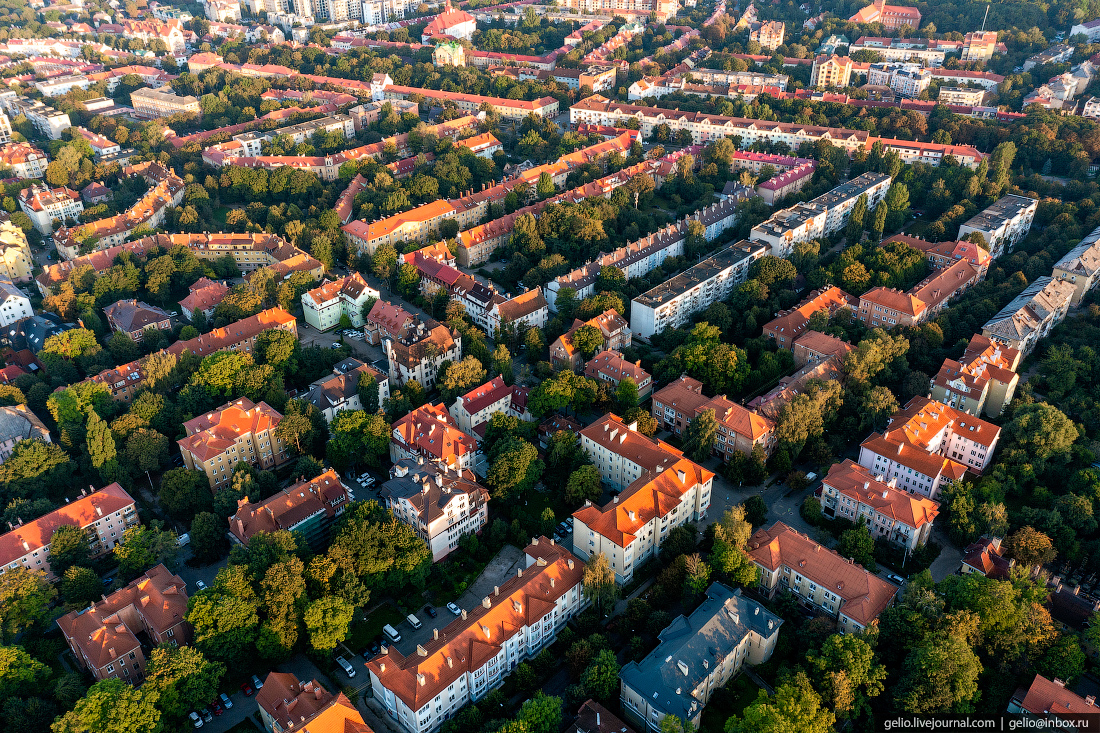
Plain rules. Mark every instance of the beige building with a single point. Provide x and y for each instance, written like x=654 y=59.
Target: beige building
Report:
x=15 y=253
x=239 y=431
x=739 y=429
x=473 y=410
x=983 y=381
x=962 y=96
x=612 y=326
x=768 y=34
x=419 y=353
x=831 y=71
x=429 y=433
x=852 y=492
x=162 y=102
x=441 y=505
x=1080 y=266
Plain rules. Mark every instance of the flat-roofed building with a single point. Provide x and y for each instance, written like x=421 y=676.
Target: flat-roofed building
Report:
x=962 y=96
x=1032 y=314
x=1081 y=266
x=1003 y=223
x=697 y=655
x=441 y=504
x=431 y=434
x=819 y=578
x=162 y=102
x=831 y=71
x=672 y=303
x=982 y=381
x=237 y=432
x=307 y=507
x=780 y=232
x=850 y=491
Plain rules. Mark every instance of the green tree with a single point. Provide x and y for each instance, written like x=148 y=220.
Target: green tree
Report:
x=941 y=676
x=626 y=395
x=878 y=221
x=583 y=485
x=368 y=392
x=20 y=672
x=502 y=363
x=545 y=186
x=598 y=580
x=1038 y=432
x=328 y=620
x=541 y=714
x=847 y=674
x=587 y=340
x=1029 y=547
x=68 y=547
x=858 y=544
x=769 y=270
x=701 y=436
x=514 y=467
x=727 y=555
x=80 y=586
x=182 y=678
x=145 y=546
x=384 y=262
x=382 y=553
x=225 y=619
x=460 y=377
x=855 y=228
x=601 y=678
x=795 y=707
x=112 y=706
x=184 y=492
x=357 y=436
x=207 y=536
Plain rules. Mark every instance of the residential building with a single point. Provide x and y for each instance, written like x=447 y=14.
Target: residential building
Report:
x=840 y=201
x=203 y=297
x=324 y=307
x=308 y=507
x=5 y=129
x=697 y=655
x=850 y=491
x=103 y=515
x=768 y=34
x=814 y=347
x=1003 y=223
x=1090 y=30
x=95 y=193
x=616 y=336
x=786 y=183
x=43 y=205
x=664 y=9
x=1031 y=315
x=983 y=381
x=222 y=11
x=789 y=325
x=883 y=307
x=104 y=637
x=49 y=122
x=449 y=53
x=660 y=490
x=831 y=72
x=611 y=367
x=473 y=410
x=24 y=160
x=1050 y=699
x=819 y=578
x=1056 y=54
x=237 y=432
x=15 y=253
x=980 y=46
x=340 y=390
x=429 y=433
x=595 y=718
x=441 y=505
x=526 y=310
x=962 y=96
x=419 y=354
x=18 y=423
x=672 y=303
x=928 y=444
x=891 y=16
x=770 y=405
x=287 y=704
x=162 y=102
x=471 y=103
x=57 y=86
x=739 y=429
x=1081 y=266
x=942 y=255
x=929 y=52
x=957 y=77
x=14 y=303
x=986 y=557
x=908 y=80
x=132 y=317
x=303 y=132
x=476 y=651
x=452 y=23
x=387 y=320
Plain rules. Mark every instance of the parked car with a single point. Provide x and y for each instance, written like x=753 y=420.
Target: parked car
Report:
x=563 y=527
x=200 y=585
x=247 y=689
x=430 y=611
x=895 y=578
x=207 y=716
x=257 y=682
x=217 y=708
x=195 y=719
x=226 y=701
x=346 y=666
x=454 y=609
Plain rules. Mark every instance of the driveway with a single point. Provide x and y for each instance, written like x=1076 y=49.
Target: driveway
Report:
x=783 y=503
x=206 y=574
x=242 y=708
x=950 y=559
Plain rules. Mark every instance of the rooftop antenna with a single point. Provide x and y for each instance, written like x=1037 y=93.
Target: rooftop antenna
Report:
x=985 y=18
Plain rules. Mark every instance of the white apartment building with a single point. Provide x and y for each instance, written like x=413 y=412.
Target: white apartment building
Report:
x=59 y=85
x=831 y=71
x=43 y=205
x=1032 y=314
x=1004 y=223
x=672 y=303
x=252 y=142
x=421 y=688
x=850 y=491
x=928 y=444
x=476 y=408
x=908 y=80
x=660 y=490
x=1081 y=266
x=419 y=354
x=841 y=200
x=16 y=263
x=47 y=120
x=222 y=11
x=441 y=505
x=323 y=307
x=14 y=303
x=963 y=96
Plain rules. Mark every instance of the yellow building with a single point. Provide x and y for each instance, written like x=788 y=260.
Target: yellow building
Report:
x=240 y=431
x=15 y=253
x=831 y=71
x=449 y=54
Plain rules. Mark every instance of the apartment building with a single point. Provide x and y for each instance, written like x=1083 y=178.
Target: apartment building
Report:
x=962 y=96
x=986 y=557
x=1003 y=223
x=308 y=507
x=942 y=255
x=473 y=410
x=509 y=109
x=614 y=328
x=419 y=354
x=24 y=160
x=740 y=430
x=850 y=491
x=786 y=183
x=664 y=9
x=475 y=652
x=237 y=432
x=1081 y=267
x=340 y=390
x=15 y=253
x=324 y=307
x=831 y=71
x=656 y=490
x=672 y=303
x=908 y=80
x=891 y=16
x=840 y=201
x=132 y=317
x=100 y=145
x=43 y=205
x=789 y=325
x=441 y=504
x=957 y=77
x=609 y=367
x=819 y=578
x=697 y=655
x=883 y=307
x=1051 y=699
x=5 y=129
x=46 y=120
x=813 y=347
x=104 y=637
x=927 y=444
x=595 y=718
x=526 y=310
x=984 y=380
x=429 y=433
x=1056 y=54
x=768 y=34
x=926 y=51
x=14 y=303
x=103 y=515
x=59 y=85
x=1031 y=315
x=203 y=297
x=287 y=704
x=163 y=102
x=303 y=132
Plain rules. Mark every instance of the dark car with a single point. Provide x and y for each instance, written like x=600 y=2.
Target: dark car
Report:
x=247 y=689
x=217 y=708
x=207 y=716
x=430 y=611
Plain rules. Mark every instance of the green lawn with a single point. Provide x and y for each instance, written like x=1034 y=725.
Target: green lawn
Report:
x=220 y=213
x=363 y=631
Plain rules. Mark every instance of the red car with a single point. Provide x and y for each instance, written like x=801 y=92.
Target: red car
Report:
x=217 y=708
x=247 y=689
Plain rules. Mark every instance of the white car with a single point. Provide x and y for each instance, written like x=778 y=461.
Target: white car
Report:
x=195 y=719
x=200 y=585
x=454 y=609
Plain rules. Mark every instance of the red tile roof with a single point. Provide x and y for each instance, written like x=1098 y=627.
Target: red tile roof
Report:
x=1047 y=697
x=215 y=432
x=431 y=430
x=290 y=506
x=859 y=484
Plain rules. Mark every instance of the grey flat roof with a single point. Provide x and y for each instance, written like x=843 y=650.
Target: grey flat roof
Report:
x=699 y=273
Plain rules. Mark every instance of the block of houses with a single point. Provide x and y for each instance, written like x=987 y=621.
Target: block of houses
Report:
x=104 y=516
x=287 y=704
x=104 y=637
x=983 y=381
x=813 y=347
x=789 y=325
x=238 y=431
x=610 y=367
x=770 y=404
x=43 y=205
x=340 y=390
x=1081 y=266
x=473 y=410
x=323 y=307
x=430 y=433
x=883 y=307
x=819 y=578
x=1032 y=314
x=474 y=653
x=697 y=655
x=986 y=557
x=15 y=253
x=522 y=312
x=308 y=507
x=419 y=354
x=850 y=491
x=203 y=296
x=1051 y=699
x=660 y=489
x=739 y=429
x=616 y=336
x=440 y=504
x=928 y=444
x=132 y=317
x=946 y=253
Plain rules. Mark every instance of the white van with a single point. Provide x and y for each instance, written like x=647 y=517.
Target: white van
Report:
x=346 y=665
x=184 y=539
x=413 y=621
x=391 y=633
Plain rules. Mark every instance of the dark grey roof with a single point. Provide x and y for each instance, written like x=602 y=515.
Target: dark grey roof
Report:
x=430 y=487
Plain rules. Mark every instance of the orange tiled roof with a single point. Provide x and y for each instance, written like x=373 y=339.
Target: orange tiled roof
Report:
x=856 y=482
x=793 y=322
x=923 y=418
x=824 y=344
x=1049 y=697
x=215 y=432
x=431 y=429
x=289 y=507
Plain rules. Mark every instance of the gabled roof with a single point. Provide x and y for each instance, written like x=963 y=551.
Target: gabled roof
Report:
x=430 y=488
x=522 y=305
x=431 y=430
x=215 y=432
x=1047 y=697
x=859 y=484
x=288 y=508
